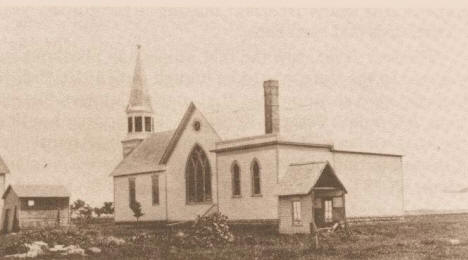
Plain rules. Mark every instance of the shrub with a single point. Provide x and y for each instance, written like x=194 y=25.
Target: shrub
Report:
x=207 y=232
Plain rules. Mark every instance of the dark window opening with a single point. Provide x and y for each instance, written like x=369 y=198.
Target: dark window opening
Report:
x=236 y=184
x=131 y=190
x=148 y=124
x=155 y=182
x=198 y=176
x=256 y=186
x=138 y=124
x=130 y=124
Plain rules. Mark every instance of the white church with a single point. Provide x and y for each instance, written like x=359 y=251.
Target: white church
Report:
x=191 y=171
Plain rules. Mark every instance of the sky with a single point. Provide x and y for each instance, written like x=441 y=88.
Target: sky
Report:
x=378 y=80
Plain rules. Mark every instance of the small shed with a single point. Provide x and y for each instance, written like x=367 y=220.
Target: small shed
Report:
x=35 y=206
x=310 y=193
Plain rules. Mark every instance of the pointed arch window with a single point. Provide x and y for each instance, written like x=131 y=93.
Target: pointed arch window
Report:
x=256 y=179
x=198 y=176
x=236 y=182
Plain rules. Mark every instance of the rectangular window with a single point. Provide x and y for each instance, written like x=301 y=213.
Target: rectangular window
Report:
x=131 y=190
x=147 y=124
x=155 y=189
x=130 y=124
x=296 y=210
x=138 y=124
x=328 y=210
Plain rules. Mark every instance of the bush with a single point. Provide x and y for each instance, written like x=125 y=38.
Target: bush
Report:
x=207 y=232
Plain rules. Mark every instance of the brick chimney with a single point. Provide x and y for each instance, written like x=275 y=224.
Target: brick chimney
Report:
x=272 y=119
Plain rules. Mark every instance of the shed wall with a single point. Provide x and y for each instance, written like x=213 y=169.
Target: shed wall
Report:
x=2 y=188
x=285 y=214
x=11 y=202
x=57 y=213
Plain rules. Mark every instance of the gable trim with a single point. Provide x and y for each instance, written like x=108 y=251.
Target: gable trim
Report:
x=334 y=175
x=178 y=133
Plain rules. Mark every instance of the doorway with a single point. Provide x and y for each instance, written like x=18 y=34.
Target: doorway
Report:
x=323 y=211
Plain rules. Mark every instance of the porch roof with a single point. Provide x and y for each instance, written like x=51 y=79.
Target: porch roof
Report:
x=301 y=178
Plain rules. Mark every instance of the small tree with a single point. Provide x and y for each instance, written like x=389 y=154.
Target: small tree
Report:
x=136 y=208
x=98 y=211
x=108 y=208
x=77 y=205
x=83 y=211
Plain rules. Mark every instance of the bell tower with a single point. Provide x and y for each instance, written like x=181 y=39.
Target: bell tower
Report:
x=139 y=111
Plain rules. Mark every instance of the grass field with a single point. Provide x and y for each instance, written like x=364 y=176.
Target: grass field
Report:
x=417 y=237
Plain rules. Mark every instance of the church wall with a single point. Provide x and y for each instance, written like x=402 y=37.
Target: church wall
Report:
x=295 y=154
x=374 y=184
x=178 y=209
x=143 y=191
x=248 y=207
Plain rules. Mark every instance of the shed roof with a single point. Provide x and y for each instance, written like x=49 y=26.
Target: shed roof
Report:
x=38 y=191
x=146 y=156
x=301 y=178
x=3 y=168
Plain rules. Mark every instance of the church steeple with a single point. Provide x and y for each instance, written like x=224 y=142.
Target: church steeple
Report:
x=139 y=98
x=139 y=110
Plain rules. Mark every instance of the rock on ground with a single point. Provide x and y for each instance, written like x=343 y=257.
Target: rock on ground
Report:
x=94 y=250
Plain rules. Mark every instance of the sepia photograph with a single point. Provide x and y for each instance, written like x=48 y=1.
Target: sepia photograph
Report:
x=233 y=132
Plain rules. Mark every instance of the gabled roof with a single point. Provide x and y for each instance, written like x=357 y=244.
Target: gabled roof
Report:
x=3 y=168
x=146 y=155
x=154 y=152
x=301 y=178
x=38 y=191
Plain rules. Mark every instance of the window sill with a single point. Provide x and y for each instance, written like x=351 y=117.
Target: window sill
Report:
x=236 y=196
x=257 y=195
x=298 y=224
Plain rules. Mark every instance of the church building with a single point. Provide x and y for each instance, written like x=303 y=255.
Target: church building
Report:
x=191 y=171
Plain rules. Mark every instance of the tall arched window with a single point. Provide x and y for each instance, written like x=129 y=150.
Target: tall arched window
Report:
x=198 y=176
x=256 y=182
x=236 y=183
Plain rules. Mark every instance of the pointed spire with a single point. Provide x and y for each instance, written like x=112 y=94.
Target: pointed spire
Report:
x=139 y=98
